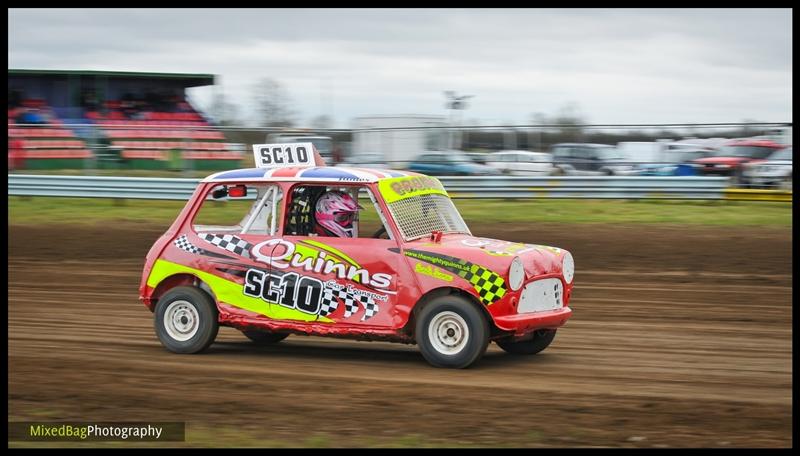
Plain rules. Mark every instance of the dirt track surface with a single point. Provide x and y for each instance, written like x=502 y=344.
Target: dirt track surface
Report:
x=681 y=337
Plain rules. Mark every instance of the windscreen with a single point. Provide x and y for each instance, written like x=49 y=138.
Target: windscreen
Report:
x=420 y=215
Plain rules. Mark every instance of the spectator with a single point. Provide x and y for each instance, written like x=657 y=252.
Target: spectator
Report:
x=31 y=116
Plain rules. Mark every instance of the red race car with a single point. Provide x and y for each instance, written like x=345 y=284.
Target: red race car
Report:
x=292 y=247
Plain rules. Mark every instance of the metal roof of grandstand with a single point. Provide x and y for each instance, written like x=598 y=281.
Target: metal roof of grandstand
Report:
x=195 y=79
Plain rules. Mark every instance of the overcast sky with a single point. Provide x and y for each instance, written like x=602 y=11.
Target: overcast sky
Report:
x=618 y=65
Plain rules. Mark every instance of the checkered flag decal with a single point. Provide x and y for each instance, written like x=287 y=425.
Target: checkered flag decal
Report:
x=330 y=302
x=229 y=242
x=490 y=286
x=182 y=242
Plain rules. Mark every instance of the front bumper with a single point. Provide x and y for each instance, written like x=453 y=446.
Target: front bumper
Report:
x=524 y=323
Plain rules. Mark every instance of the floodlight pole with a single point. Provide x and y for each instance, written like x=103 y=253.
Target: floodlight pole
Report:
x=454 y=103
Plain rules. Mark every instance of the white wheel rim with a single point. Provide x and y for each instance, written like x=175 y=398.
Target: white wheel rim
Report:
x=181 y=320
x=448 y=333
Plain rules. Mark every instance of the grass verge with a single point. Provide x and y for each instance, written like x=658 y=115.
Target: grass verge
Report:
x=34 y=210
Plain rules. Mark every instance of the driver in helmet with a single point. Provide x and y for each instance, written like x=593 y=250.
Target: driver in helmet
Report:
x=336 y=214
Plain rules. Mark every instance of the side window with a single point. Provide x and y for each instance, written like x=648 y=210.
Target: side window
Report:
x=303 y=219
x=561 y=152
x=239 y=208
x=581 y=154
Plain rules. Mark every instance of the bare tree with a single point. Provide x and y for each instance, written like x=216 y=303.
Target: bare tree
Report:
x=272 y=104
x=569 y=117
x=224 y=112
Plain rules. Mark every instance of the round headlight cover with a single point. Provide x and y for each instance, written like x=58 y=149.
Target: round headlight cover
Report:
x=516 y=274
x=568 y=267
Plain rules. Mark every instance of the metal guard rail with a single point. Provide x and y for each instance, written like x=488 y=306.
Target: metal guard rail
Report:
x=620 y=187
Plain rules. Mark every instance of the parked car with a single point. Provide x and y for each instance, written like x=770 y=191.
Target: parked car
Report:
x=522 y=163
x=478 y=157
x=449 y=163
x=675 y=162
x=728 y=159
x=263 y=266
x=774 y=172
x=590 y=159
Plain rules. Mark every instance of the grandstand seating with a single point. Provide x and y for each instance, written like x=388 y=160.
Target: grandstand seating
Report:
x=46 y=145
x=148 y=140
x=155 y=140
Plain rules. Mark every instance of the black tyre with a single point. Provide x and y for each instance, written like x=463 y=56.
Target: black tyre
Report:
x=541 y=340
x=186 y=320
x=264 y=337
x=451 y=332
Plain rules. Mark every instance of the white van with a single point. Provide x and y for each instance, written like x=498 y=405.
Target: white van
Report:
x=522 y=163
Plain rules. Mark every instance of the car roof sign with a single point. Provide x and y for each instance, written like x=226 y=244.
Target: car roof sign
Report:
x=294 y=155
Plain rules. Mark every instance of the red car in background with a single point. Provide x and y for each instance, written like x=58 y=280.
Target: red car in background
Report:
x=728 y=159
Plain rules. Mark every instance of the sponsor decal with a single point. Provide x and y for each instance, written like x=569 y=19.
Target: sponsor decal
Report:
x=283 y=254
x=399 y=188
x=335 y=292
x=309 y=294
x=432 y=271
x=489 y=285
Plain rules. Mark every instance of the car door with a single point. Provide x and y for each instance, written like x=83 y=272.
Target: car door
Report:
x=527 y=164
x=342 y=280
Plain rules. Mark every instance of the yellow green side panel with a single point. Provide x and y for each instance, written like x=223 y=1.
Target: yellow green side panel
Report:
x=229 y=292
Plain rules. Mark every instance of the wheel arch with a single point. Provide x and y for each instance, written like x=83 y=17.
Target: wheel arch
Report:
x=178 y=280
x=430 y=295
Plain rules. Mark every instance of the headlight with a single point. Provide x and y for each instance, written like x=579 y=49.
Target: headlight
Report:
x=516 y=274
x=568 y=267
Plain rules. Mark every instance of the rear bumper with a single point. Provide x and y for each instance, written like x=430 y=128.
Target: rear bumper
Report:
x=528 y=322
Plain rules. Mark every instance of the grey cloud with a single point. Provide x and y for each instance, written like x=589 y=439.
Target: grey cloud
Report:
x=721 y=64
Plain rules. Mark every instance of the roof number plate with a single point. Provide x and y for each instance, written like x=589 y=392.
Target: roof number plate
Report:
x=284 y=155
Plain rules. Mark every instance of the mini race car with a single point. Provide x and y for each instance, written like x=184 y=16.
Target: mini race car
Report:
x=246 y=252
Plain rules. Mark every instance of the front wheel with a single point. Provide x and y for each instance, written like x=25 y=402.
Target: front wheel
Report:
x=451 y=332
x=186 y=320
x=541 y=340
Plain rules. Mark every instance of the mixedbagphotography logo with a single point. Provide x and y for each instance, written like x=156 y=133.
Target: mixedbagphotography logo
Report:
x=37 y=431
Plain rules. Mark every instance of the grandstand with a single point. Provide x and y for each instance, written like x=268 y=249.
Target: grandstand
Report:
x=110 y=119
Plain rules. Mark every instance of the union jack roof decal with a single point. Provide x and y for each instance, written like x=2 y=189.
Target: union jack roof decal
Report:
x=312 y=174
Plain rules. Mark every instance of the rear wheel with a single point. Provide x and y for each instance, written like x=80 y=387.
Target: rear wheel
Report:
x=260 y=337
x=186 y=320
x=541 y=340
x=451 y=332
